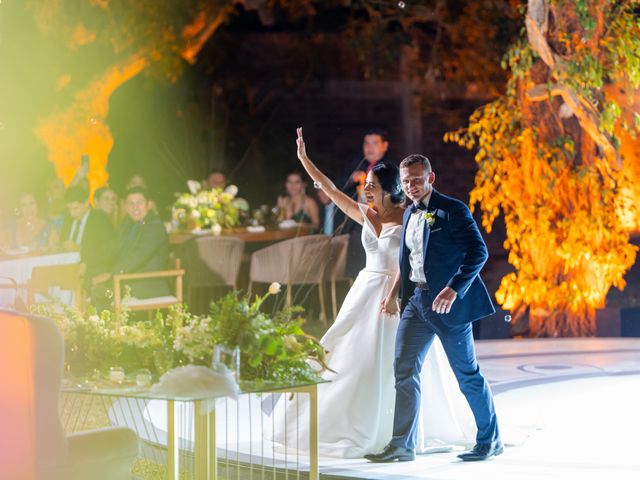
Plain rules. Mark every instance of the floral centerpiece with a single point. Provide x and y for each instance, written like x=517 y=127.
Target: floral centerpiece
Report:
x=202 y=209
x=273 y=347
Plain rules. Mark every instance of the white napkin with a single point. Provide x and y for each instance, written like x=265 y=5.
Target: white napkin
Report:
x=197 y=381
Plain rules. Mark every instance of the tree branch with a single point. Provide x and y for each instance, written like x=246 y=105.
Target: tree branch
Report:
x=542 y=92
x=587 y=115
x=537 y=22
x=194 y=46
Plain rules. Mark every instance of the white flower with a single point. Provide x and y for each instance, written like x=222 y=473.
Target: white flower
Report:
x=95 y=319
x=194 y=186
x=216 y=229
x=203 y=198
x=195 y=214
x=430 y=217
x=231 y=190
x=274 y=288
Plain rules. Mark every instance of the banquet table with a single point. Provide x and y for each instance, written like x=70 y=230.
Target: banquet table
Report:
x=268 y=235
x=19 y=269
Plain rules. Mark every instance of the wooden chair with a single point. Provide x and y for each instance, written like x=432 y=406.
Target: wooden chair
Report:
x=298 y=261
x=152 y=303
x=66 y=277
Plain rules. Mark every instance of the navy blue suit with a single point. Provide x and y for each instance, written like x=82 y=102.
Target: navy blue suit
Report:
x=454 y=252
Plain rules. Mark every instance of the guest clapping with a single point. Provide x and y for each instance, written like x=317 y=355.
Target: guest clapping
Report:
x=296 y=205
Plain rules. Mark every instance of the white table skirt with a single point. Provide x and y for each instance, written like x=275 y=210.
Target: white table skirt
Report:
x=20 y=269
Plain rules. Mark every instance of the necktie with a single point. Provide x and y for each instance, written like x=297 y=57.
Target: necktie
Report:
x=418 y=206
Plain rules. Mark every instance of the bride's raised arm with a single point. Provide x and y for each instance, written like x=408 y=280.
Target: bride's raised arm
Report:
x=342 y=201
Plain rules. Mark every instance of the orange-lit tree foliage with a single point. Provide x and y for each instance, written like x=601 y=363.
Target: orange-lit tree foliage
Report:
x=131 y=36
x=549 y=158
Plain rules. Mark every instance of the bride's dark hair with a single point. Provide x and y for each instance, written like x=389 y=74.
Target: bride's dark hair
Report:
x=389 y=177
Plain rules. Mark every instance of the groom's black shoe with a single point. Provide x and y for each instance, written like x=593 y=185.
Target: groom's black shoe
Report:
x=391 y=454
x=482 y=451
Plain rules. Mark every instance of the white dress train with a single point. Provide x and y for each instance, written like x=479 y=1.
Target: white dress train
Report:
x=355 y=410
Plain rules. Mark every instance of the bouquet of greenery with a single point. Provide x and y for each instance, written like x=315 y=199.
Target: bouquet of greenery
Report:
x=95 y=342
x=273 y=348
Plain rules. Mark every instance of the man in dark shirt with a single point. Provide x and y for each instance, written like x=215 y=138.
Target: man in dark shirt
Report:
x=375 y=144
x=142 y=245
x=88 y=231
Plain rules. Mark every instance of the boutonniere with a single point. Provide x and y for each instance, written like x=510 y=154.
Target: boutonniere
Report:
x=430 y=218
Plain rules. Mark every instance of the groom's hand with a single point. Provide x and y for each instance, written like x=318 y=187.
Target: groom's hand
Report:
x=444 y=300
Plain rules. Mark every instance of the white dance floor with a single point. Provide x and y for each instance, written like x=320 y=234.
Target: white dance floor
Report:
x=568 y=408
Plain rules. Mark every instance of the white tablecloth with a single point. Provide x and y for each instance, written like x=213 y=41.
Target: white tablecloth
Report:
x=20 y=269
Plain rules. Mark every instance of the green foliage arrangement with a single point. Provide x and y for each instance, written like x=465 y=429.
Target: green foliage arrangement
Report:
x=273 y=347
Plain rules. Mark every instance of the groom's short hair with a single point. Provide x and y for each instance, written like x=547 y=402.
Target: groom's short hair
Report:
x=415 y=159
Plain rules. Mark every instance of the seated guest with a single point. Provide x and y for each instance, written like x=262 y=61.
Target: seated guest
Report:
x=135 y=180
x=142 y=245
x=332 y=219
x=88 y=231
x=55 y=207
x=296 y=205
x=216 y=179
x=28 y=229
x=106 y=200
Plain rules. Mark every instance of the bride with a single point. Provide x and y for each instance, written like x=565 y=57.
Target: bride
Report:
x=355 y=410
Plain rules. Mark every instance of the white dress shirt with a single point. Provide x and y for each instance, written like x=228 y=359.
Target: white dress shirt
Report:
x=413 y=241
x=77 y=228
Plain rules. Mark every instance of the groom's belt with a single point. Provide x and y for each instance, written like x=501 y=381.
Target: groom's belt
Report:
x=422 y=286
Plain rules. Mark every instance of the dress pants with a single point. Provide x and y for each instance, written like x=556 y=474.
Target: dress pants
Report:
x=418 y=325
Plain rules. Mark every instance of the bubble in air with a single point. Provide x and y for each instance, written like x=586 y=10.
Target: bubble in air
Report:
x=93 y=121
x=507 y=318
x=108 y=293
x=401 y=4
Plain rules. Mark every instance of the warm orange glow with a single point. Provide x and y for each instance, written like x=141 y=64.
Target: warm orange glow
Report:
x=629 y=150
x=563 y=235
x=17 y=410
x=81 y=36
x=81 y=128
x=62 y=82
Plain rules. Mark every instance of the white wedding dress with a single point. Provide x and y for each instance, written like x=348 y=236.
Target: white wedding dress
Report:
x=355 y=410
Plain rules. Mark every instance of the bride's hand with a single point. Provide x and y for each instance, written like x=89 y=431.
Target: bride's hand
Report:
x=389 y=306
x=302 y=151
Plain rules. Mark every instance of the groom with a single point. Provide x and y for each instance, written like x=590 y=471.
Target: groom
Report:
x=441 y=254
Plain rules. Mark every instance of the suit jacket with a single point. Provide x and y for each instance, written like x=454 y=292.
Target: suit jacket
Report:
x=454 y=253
x=96 y=245
x=143 y=247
